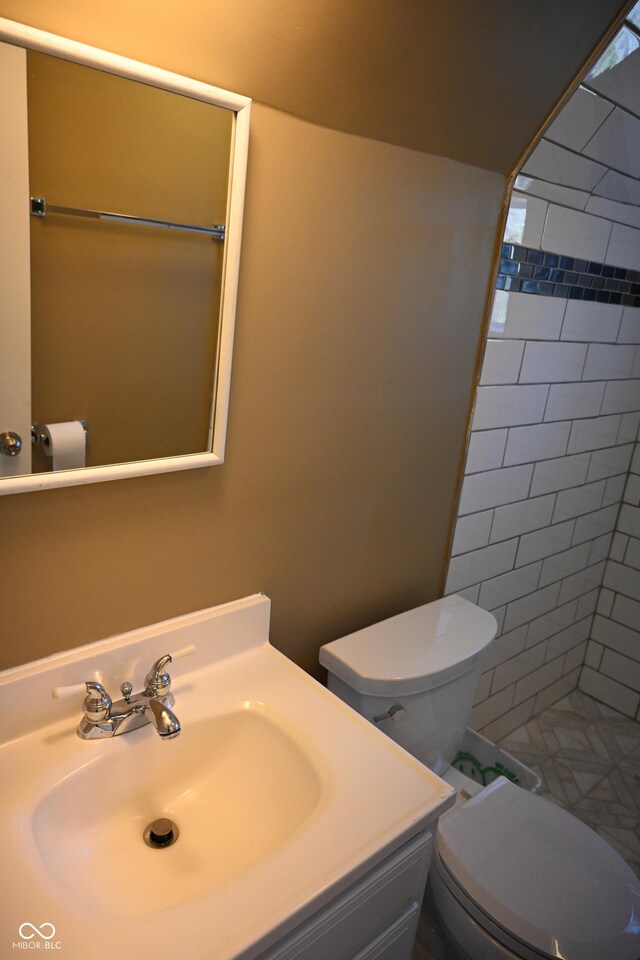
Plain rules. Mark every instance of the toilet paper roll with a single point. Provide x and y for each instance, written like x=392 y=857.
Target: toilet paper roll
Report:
x=66 y=443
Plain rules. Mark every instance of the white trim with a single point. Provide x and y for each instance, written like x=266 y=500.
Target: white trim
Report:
x=25 y=36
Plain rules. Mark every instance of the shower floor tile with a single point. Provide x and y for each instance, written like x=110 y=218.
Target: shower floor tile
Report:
x=588 y=757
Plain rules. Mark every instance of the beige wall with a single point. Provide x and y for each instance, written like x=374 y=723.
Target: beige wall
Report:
x=363 y=278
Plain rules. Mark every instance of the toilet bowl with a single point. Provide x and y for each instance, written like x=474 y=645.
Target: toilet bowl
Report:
x=513 y=877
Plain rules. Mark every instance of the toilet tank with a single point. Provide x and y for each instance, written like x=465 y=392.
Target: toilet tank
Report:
x=426 y=661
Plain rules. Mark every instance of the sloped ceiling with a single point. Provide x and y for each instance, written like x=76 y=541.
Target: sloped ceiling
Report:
x=472 y=80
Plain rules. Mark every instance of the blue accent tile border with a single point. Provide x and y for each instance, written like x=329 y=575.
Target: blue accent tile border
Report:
x=526 y=270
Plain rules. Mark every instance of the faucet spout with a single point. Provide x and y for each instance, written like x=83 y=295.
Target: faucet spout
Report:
x=164 y=720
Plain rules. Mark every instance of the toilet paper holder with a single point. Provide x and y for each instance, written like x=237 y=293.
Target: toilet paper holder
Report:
x=39 y=435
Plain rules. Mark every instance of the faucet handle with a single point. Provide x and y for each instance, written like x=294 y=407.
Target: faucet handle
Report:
x=157 y=683
x=97 y=702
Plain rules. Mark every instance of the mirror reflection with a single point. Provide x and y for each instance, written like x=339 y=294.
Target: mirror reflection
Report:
x=125 y=313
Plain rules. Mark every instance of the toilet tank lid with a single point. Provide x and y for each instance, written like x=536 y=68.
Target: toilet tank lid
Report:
x=413 y=651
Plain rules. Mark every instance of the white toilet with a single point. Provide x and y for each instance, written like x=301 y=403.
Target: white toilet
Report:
x=512 y=875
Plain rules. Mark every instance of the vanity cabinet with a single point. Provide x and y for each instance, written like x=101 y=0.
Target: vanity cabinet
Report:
x=375 y=919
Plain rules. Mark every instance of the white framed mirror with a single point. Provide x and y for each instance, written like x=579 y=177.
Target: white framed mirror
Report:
x=121 y=205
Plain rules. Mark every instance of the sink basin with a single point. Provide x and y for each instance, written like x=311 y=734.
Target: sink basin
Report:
x=237 y=786
x=266 y=783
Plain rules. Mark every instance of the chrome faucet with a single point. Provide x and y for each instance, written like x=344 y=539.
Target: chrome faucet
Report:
x=104 y=718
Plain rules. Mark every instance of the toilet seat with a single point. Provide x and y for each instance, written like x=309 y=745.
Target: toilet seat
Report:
x=549 y=887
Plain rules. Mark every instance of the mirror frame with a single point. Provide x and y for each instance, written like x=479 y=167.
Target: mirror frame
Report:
x=31 y=38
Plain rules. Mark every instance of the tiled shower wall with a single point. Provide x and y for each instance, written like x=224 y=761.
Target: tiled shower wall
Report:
x=540 y=529
x=551 y=443
x=612 y=665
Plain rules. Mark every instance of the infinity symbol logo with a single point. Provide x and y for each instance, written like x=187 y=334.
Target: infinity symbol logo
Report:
x=39 y=931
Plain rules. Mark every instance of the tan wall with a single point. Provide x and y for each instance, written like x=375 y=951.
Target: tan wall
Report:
x=363 y=276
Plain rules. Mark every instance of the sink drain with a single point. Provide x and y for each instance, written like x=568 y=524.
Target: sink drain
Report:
x=161 y=833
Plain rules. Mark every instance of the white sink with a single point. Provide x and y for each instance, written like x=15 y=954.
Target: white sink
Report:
x=237 y=786
x=267 y=784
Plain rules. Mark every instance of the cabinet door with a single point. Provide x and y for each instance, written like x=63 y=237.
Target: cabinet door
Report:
x=396 y=942
x=354 y=919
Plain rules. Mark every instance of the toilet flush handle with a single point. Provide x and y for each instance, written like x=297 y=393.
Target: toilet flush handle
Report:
x=397 y=713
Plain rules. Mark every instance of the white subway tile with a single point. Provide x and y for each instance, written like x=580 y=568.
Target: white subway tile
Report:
x=576 y=234
x=621 y=668
x=483 y=688
x=630 y=326
x=593 y=655
x=600 y=548
x=509 y=586
x=532 y=606
x=618 y=547
x=624 y=246
x=574 y=658
x=481 y=491
x=557 y=165
x=470 y=593
x=509 y=721
x=609 y=691
x=521 y=517
x=555 y=691
x=517 y=667
x=625 y=610
x=538 y=442
x=509 y=406
x=579 y=500
x=614 y=488
x=505 y=647
x=567 y=401
x=607 y=361
x=502 y=359
x=552 y=362
x=635 y=463
x=542 y=543
x=616 y=636
x=550 y=191
x=587 y=603
x=579 y=119
x=486 y=450
x=550 y=475
x=592 y=322
x=595 y=524
x=581 y=582
x=472 y=532
x=535 y=682
x=565 y=640
x=564 y=564
x=632 y=490
x=592 y=433
x=605 y=602
x=629 y=423
x=621 y=579
x=552 y=622
x=629 y=520
x=621 y=396
x=616 y=76
x=519 y=315
x=617 y=143
x=525 y=220
x=491 y=708
x=613 y=210
x=618 y=187
x=609 y=462
x=479 y=565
